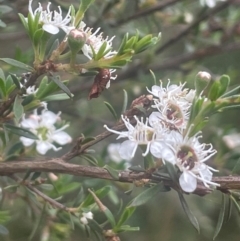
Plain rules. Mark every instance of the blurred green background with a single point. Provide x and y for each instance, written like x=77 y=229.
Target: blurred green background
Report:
x=195 y=37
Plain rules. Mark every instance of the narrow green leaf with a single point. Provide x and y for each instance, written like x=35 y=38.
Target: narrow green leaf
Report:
x=228 y=209
x=88 y=139
x=35 y=175
x=71 y=221
x=20 y=131
x=38 y=222
x=146 y=195
x=62 y=86
x=90 y=159
x=188 y=212
x=18 y=64
x=28 y=99
x=127 y=213
x=16 y=81
x=3 y=230
x=47 y=187
x=95 y=226
x=122 y=45
x=53 y=47
x=100 y=193
x=128 y=228
x=125 y=101
x=110 y=217
x=231 y=92
x=172 y=171
x=220 y=217
x=101 y=51
x=2 y=88
x=2 y=75
x=114 y=173
x=111 y=109
x=235 y=204
x=224 y=81
x=18 y=108
x=57 y=97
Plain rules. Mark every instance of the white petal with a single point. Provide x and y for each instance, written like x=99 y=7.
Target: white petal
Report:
x=156 y=149
x=26 y=141
x=61 y=137
x=43 y=147
x=187 y=182
x=49 y=118
x=50 y=28
x=30 y=123
x=127 y=149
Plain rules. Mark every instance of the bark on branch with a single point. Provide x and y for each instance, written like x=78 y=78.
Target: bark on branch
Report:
x=59 y=166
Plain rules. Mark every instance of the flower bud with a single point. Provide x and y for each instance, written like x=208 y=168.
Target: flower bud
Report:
x=76 y=40
x=202 y=81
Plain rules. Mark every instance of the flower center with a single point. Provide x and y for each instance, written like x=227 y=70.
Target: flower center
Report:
x=187 y=157
x=174 y=113
x=43 y=133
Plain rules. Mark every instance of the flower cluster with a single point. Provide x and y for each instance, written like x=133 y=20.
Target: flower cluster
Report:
x=43 y=126
x=165 y=135
x=85 y=217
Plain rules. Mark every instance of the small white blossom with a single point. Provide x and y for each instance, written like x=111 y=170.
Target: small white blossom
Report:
x=52 y=21
x=94 y=41
x=210 y=3
x=85 y=217
x=43 y=127
x=141 y=134
x=189 y=155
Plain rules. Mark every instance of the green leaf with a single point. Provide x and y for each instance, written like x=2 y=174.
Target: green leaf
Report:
x=3 y=230
x=114 y=173
x=224 y=81
x=20 y=131
x=88 y=139
x=231 y=92
x=90 y=159
x=35 y=175
x=220 y=217
x=188 y=212
x=110 y=217
x=128 y=228
x=154 y=77
x=125 y=101
x=100 y=193
x=71 y=221
x=56 y=97
x=101 y=51
x=28 y=99
x=122 y=45
x=16 y=81
x=172 y=171
x=24 y=22
x=228 y=209
x=38 y=222
x=85 y=4
x=146 y=195
x=2 y=88
x=18 y=64
x=53 y=47
x=18 y=108
x=5 y=9
x=95 y=226
x=111 y=109
x=235 y=204
x=127 y=213
x=62 y=86
x=48 y=187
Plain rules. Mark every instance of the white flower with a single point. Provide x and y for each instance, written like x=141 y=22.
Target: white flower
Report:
x=172 y=91
x=85 y=217
x=210 y=3
x=189 y=155
x=113 y=152
x=94 y=41
x=52 y=21
x=141 y=134
x=43 y=127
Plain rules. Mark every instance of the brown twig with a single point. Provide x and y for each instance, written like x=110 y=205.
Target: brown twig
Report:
x=59 y=166
x=158 y=7
x=46 y=198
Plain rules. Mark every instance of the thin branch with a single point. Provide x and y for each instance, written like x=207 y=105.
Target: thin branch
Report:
x=49 y=200
x=158 y=7
x=195 y=23
x=176 y=61
x=59 y=166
